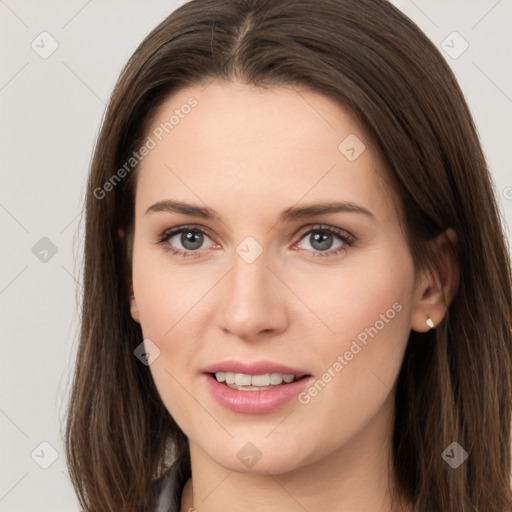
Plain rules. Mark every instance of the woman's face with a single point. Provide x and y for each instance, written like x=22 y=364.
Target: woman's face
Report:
x=267 y=243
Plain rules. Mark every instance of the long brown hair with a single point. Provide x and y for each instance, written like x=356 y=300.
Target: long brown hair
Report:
x=455 y=384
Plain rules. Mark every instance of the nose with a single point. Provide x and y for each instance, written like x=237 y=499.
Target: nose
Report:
x=252 y=303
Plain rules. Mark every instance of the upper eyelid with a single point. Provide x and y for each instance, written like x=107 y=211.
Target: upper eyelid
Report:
x=324 y=227
x=179 y=229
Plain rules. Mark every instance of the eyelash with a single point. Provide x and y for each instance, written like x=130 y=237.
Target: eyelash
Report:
x=347 y=239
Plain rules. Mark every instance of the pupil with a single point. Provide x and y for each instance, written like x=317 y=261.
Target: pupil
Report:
x=323 y=241
x=191 y=240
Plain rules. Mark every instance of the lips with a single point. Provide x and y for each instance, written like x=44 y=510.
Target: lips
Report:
x=250 y=399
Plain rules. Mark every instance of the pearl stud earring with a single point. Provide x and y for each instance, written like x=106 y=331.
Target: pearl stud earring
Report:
x=429 y=322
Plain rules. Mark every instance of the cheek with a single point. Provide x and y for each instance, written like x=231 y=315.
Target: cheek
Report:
x=368 y=298
x=167 y=304
x=377 y=314
x=166 y=294
x=173 y=305
x=371 y=319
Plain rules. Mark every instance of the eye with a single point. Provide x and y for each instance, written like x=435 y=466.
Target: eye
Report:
x=186 y=241
x=326 y=241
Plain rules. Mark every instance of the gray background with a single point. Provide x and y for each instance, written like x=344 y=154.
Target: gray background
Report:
x=51 y=112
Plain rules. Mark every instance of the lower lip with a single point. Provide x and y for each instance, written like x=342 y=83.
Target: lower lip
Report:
x=255 y=402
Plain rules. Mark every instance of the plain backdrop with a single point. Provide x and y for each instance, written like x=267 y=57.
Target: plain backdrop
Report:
x=51 y=109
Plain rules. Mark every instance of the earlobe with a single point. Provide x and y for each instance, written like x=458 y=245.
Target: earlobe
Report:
x=430 y=306
x=438 y=286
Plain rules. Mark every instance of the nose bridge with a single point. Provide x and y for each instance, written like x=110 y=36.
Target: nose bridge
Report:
x=249 y=281
x=251 y=300
x=249 y=277
x=249 y=273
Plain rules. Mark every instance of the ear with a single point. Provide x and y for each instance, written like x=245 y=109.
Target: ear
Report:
x=133 y=304
x=437 y=286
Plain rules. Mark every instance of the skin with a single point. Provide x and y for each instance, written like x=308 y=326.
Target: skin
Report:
x=249 y=153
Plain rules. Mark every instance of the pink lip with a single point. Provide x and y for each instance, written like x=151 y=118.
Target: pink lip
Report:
x=255 y=368
x=254 y=402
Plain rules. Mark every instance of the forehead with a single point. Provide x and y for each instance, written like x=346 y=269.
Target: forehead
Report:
x=253 y=149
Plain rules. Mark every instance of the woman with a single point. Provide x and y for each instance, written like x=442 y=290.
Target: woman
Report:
x=297 y=294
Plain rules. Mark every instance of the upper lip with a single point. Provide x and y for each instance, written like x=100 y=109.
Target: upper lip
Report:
x=254 y=368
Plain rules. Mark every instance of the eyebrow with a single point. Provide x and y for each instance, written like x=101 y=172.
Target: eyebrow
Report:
x=287 y=215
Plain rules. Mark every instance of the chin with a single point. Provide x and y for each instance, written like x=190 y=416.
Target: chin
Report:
x=251 y=460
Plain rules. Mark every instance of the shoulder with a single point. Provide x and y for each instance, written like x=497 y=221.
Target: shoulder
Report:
x=168 y=488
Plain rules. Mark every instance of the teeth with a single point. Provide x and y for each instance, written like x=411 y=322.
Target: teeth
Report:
x=243 y=380
x=276 y=378
x=265 y=380
x=261 y=380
